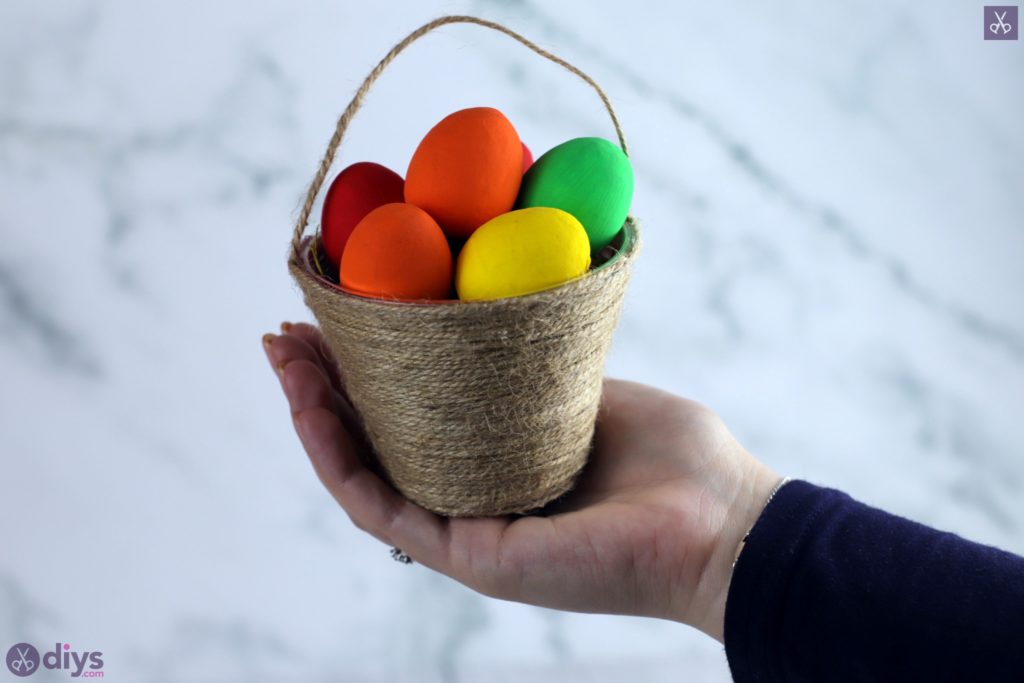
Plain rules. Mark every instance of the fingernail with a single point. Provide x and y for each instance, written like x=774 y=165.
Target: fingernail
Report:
x=268 y=339
x=286 y=327
x=280 y=367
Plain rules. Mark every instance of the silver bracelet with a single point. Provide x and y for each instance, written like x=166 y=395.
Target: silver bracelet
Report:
x=743 y=541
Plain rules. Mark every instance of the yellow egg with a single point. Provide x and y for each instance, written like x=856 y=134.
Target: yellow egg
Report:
x=521 y=252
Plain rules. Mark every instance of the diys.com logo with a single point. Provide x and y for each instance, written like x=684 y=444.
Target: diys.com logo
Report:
x=23 y=659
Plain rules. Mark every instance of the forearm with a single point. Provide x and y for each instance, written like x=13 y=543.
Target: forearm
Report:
x=827 y=588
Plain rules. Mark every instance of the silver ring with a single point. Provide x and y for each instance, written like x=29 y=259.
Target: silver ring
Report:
x=398 y=556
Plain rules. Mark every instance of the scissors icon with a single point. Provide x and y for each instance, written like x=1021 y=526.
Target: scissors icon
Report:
x=23 y=664
x=999 y=23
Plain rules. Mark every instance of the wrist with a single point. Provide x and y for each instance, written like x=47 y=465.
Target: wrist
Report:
x=754 y=485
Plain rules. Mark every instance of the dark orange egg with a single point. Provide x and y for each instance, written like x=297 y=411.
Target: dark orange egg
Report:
x=397 y=252
x=466 y=170
x=357 y=191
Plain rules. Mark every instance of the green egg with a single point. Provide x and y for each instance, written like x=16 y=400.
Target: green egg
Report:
x=590 y=178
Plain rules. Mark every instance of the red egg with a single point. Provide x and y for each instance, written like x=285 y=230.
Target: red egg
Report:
x=527 y=158
x=397 y=252
x=358 y=190
x=467 y=170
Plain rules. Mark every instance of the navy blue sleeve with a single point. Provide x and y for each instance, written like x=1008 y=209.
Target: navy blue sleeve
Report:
x=829 y=589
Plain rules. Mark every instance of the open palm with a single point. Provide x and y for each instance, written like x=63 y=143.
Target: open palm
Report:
x=648 y=530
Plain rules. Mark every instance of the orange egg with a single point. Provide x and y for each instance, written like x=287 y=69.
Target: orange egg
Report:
x=397 y=252
x=466 y=170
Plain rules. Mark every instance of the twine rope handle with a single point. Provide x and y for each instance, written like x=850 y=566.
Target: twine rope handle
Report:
x=357 y=102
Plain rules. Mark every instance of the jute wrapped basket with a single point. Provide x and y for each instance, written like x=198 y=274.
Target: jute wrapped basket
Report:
x=472 y=408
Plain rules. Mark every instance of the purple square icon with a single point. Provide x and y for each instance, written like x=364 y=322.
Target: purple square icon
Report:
x=1000 y=22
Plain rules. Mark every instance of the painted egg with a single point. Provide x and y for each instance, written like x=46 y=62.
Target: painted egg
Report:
x=358 y=190
x=521 y=252
x=397 y=252
x=527 y=158
x=467 y=170
x=591 y=178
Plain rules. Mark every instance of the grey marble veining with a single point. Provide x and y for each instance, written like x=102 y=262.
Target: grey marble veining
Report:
x=830 y=203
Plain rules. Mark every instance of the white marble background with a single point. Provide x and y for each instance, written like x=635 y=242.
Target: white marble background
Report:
x=831 y=201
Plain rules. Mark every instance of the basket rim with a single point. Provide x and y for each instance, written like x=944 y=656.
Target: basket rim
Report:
x=630 y=246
